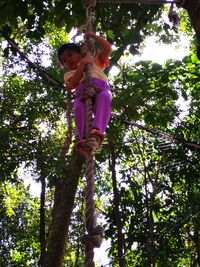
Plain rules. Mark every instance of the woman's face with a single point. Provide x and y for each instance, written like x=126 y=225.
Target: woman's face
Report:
x=70 y=59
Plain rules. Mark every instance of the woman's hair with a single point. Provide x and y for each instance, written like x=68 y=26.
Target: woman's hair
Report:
x=68 y=46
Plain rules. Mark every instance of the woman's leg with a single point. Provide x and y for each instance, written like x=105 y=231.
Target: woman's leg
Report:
x=102 y=109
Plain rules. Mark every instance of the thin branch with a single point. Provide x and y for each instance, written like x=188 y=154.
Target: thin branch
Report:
x=33 y=65
x=166 y=136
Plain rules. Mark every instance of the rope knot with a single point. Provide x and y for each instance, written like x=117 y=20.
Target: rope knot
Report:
x=85 y=47
x=173 y=17
x=89 y=93
x=94 y=239
x=90 y=3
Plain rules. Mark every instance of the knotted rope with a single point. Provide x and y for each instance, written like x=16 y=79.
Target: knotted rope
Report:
x=93 y=238
x=94 y=235
x=173 y=16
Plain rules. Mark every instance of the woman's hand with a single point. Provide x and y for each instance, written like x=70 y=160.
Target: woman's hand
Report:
x=90 y=34
x=88 y=59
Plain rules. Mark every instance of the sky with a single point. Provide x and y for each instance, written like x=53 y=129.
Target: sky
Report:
x=159 y=53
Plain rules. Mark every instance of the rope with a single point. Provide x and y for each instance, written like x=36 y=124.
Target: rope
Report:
x=94 y=235
x=173 y=16
x=93 y=238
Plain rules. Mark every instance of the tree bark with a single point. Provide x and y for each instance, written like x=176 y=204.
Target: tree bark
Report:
x=63 y=205
x=196 y=237
x=197 y=242
x=117 y=215
x=42 y=220
x=193 y=9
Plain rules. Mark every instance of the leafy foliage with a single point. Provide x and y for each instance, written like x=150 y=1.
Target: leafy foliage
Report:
x=19 y=244
x=157 y=178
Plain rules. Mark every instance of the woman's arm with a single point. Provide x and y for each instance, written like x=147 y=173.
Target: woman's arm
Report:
x=106 y=47
x=75 y=79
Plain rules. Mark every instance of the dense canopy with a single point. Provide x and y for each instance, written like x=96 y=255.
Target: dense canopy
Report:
x=147 y=186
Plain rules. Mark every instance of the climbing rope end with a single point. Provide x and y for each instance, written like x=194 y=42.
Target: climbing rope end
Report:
x=98 y=230
x=173 y=16
x=91 y=241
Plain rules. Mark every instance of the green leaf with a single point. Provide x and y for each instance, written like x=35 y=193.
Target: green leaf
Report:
x=111 y=34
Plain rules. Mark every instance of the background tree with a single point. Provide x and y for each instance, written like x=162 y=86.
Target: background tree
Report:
x=156 y=145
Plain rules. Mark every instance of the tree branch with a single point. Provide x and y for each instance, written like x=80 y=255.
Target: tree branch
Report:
x=189 y=144
x=33 y=65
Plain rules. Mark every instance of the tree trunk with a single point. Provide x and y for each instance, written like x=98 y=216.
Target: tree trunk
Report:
x=63 y=205
x=196 y=237
x=193 y=9
x=149 y=196
x=197 y=242
x=117 y=215
x=42 y=220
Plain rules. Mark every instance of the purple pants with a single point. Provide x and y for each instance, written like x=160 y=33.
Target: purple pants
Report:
x=102 y=107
